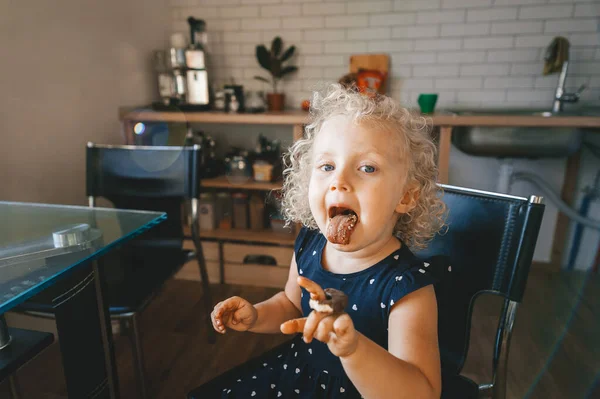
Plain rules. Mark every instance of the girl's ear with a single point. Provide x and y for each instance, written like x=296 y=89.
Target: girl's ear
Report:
x=408 y=200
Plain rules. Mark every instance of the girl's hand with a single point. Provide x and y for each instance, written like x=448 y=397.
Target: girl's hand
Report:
x=235 y=313
x=336 y=330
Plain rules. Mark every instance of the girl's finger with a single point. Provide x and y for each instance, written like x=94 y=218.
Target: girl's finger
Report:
x=315 y=290
x=312 y=322
x=324 y=328
x=342 y=324
x=293 y=326
x=222 y=307
x=217 y=325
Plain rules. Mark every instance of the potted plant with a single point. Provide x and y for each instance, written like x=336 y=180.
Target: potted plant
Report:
x=272 y=60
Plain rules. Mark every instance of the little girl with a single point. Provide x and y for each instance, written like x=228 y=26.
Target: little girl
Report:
x=363 y=184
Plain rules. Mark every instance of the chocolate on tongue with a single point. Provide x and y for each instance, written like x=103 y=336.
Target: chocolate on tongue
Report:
x=340 y=229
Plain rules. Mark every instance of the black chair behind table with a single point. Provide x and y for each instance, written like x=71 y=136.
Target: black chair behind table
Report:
x=142 y=178
x=23 y=346
x=490 y=240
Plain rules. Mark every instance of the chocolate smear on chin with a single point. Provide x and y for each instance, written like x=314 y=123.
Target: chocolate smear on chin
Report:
x=340 y=228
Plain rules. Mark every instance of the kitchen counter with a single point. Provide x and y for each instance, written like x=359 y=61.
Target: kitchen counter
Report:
x=299 y=117
x=445 y=121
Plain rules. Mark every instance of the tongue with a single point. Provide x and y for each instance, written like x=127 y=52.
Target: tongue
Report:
x=340 y=229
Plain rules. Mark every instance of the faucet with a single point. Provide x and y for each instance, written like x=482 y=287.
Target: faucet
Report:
x=560 y=96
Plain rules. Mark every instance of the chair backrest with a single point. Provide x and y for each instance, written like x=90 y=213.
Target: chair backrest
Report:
x=490 y=240
x=149 y=178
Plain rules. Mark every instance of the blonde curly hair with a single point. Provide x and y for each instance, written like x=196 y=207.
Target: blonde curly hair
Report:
x=414 y=228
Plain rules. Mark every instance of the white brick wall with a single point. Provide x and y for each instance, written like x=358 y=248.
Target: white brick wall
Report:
x=471 y=52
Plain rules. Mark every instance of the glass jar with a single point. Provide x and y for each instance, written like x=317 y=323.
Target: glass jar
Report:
x=223 y=211
x=240 y=211
x=206 y=212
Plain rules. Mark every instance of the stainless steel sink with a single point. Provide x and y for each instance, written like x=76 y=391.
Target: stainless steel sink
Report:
x=519 y=142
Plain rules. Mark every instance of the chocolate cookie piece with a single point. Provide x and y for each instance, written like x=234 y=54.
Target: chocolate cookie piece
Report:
x=335 y=302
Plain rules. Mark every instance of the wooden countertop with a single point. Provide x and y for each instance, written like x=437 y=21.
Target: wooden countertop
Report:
x=299 y=117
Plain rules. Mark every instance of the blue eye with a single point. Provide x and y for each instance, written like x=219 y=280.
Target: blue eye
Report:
x=367 y=169
x=326 y=168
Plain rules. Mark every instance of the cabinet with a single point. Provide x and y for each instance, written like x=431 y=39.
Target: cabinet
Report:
x=253 y=257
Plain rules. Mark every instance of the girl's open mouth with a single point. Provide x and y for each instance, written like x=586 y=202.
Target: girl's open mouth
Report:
x=341 y=224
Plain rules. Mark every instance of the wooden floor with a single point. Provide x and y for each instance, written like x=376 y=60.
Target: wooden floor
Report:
x=555 y=351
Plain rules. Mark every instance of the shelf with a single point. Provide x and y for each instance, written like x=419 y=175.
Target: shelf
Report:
x=266 y=236
x=290 y=117
x=223 y=182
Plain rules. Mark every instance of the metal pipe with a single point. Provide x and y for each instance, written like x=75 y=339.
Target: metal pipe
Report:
x=15 y=389
x=500 y=363
x=106 y=333
x=560 y=89
x=583 y=211
x=5 y=337
x=560 y=204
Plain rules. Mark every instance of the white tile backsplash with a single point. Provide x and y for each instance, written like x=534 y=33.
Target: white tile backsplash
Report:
x=463 y=48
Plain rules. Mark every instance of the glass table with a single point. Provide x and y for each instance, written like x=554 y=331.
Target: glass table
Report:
x=41 y=244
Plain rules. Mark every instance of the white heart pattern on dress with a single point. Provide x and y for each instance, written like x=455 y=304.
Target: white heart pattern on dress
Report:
x=253 y=393
x=326 y=372
x=342 y=390
x=382 y=305
x=372 y=280
x=292 y=345
x=314 y=253
x=422 y=271
x=239 y=380
x=300 y=271
x=392 y=302
x=449 y=268
x=279 y=394
x=297 y=370
x=323 y=386
x=272 y=386
x=264 y=364
x=285 y=366
x=296 y=354
x=396 y=257
x=354 y=307
x=425 y=264
x=310 y=351
x=297 y=391
x=253 y=377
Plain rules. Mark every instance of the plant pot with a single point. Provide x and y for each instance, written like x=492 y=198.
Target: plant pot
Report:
x=275 y=101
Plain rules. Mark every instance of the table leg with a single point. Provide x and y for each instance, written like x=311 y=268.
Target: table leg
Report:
x=4 y=335
x=445 y=145
x=106 y=331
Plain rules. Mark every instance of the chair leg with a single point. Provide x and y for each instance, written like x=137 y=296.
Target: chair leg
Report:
x=138 y=355
x=15 y=390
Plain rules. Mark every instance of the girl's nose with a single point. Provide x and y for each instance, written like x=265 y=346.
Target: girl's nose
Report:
x=340 y=182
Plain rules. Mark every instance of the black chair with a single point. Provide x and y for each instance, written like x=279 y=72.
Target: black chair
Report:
x=490 y=240
x=23 y=346
x=143 y=178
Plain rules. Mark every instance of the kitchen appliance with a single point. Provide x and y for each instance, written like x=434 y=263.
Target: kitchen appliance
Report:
x=198 y=90
x=183 y=81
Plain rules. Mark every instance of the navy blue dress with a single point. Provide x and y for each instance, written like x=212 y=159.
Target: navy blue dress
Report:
x=300 y=370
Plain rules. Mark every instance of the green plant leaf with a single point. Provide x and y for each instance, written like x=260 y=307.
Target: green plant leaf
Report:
x=288 y=53
x=263 y=57
x=288 y=69
x=276 y=46
x=262 y=79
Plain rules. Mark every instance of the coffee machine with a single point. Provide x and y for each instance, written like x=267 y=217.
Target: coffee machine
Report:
x=183 y=78
x=198 y=92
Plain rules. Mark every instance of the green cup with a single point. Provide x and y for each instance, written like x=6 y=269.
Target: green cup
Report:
x=427 y=102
